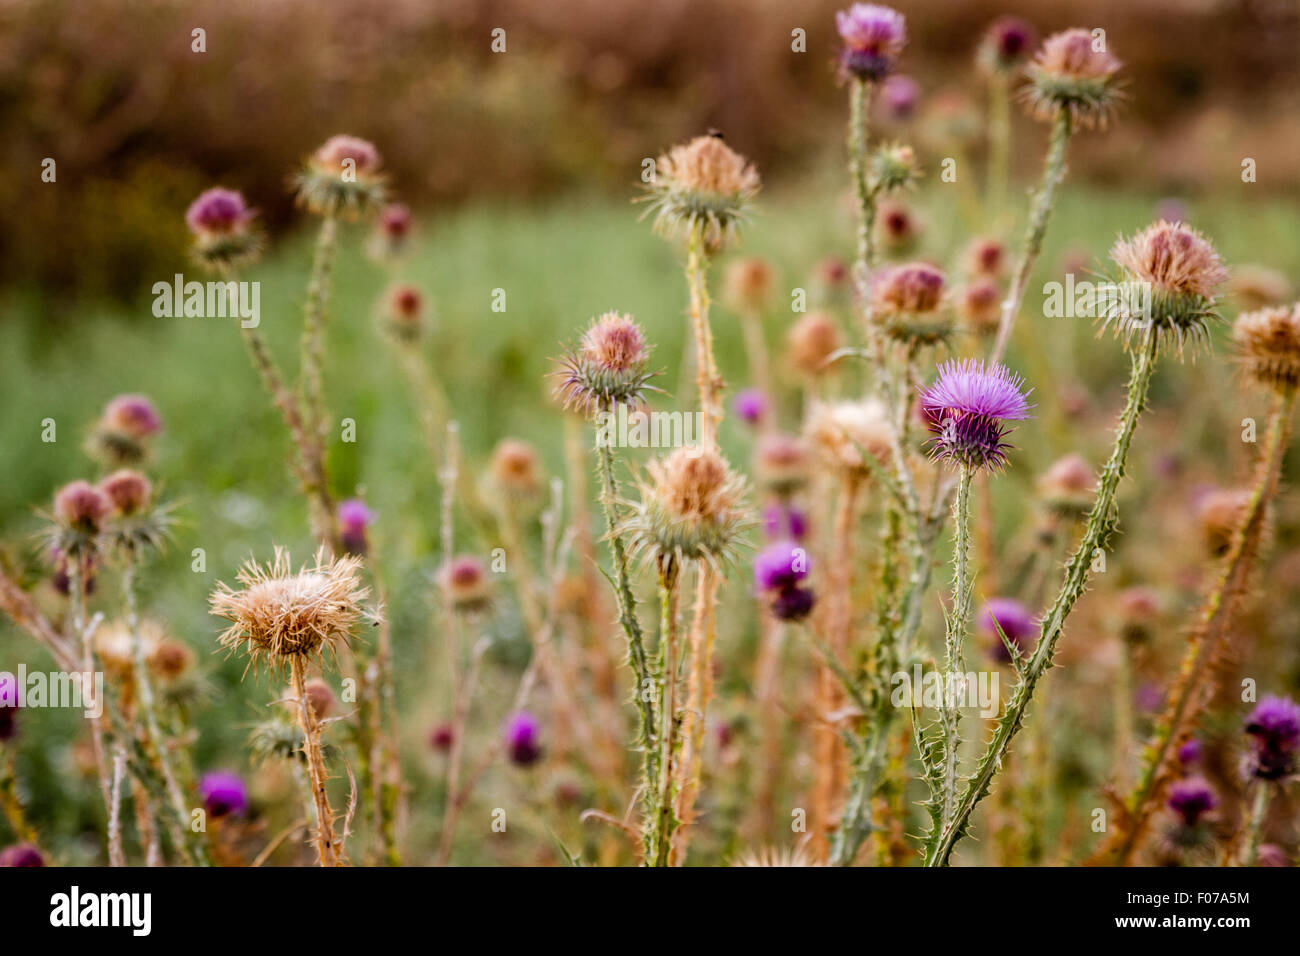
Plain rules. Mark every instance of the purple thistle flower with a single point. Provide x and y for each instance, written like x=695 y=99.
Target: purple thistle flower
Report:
x=750 y=406
x=354 y=519
x=442 y=737
x=784 y=521
x=522 y=732
x=779 y=566
x=1016 y=621
x=218 y=212
x=968 y=408
x=223 y=793
x=8 y=706
x=900 y=94
x=21 y=854
x=873 y=37
x=1274 y=727
x=793 y=603
x=1189 y=754
x=1191 y=799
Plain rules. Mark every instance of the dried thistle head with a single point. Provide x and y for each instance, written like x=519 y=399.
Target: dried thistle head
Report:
x=115 y=647
x=748 y=285
x=342 y=178
x=811 y=342
x=609 y=367
x=1178 y=273
x=1268 y=345
x=1067 y=487
x=691 y=508
x=220 y=222
x=781 y=462
x=979 y=306
x=464 y=584
x=906 y=302
x=122 y=434
x=403 y=313
x=1073 y=72
x=514 y=479
x=703 y=187
x=1220 y=512
x=279 y=613
x=1006 y=45
x=843 y=433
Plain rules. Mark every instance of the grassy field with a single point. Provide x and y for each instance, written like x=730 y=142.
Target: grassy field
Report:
x=222 y=455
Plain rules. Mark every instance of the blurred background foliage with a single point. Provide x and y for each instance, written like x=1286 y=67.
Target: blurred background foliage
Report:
x=138 y=122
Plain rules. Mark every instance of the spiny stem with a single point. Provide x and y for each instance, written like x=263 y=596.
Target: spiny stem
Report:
x=664 y=824
x=1215 y=622
x=1053 y=174
x=702 y=637
x=1255 y=828
x=77 y=593
x=1101 y=521
x=958 y=627
x=707 y=378
x=326 y=849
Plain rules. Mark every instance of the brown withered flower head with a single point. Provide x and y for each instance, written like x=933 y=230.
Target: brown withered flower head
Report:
x=279 y=613
x=907 y=302
x=1073 y=71
x=703 y=187
x=844 y=433
x=1268 y=346
x=812 y=341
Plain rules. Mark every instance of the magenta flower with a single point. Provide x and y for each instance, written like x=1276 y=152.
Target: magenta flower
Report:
x=873 y=37
x=1274 y=727
x=900 y=94
x=442 y=737
x=1189 y=754
x=223 y=793
x=750 y=406
x=1191 y=799
x=784 y=521
x=522 y=733
x=354 y=519
x=218 y=211
x=1014 y=618
x=8 y=706
x=780 y=565
x=968 y=409
x=133 y=415
x=21 y=854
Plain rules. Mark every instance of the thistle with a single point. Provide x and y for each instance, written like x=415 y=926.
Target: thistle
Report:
x=403 y=313
x=780 y=570
x=979 y=306
x=522 y=735
x=811 y=342
x=1005 y=621
x=123 y=433
x=465 y=586
x=280 y=617
x=1182 y=271
x=703 y=189
x=1002 y=52
x=1005 y=46
x=873 y=37
x=223 y=793
x=907 y=304
x=969 y=409
x=220 y=222
x=1268 y=347
x=342 y=178
x=354 y=522
x=609 y=367
x=392 y=234
x=1274 y=731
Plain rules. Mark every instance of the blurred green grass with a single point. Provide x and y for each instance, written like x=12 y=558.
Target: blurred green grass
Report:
x=222 y=455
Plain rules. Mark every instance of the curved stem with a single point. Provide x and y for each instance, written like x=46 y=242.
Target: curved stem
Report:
x=326 y=849
x=1101 y=522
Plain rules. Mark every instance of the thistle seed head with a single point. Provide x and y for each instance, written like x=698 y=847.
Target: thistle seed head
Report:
x=979 y=306
x=1220 y=512
x=278 y=613
x=844 y=432
x=690 y=509
x=609 y=367
x=1183 y=272
x=1073 y=71
x=811 y=342
x=1268 y=345
x=514 y=479
x=342 y=178
x=703 y=186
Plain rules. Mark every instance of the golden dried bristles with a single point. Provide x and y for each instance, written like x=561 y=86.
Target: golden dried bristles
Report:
x=811 y=341
x=703 y=186
x=843 y=432
x=776 y=856
x=1268 y=343
x=690 y=509
x=1182 y=272
x=514 y=473
x=749 y=285
x=279 y=613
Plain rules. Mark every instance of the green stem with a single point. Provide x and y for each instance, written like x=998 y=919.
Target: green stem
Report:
x=1101 y=522
x=1255 y=829
x=1053 y=174
x=659 y=843
x=958 y=626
